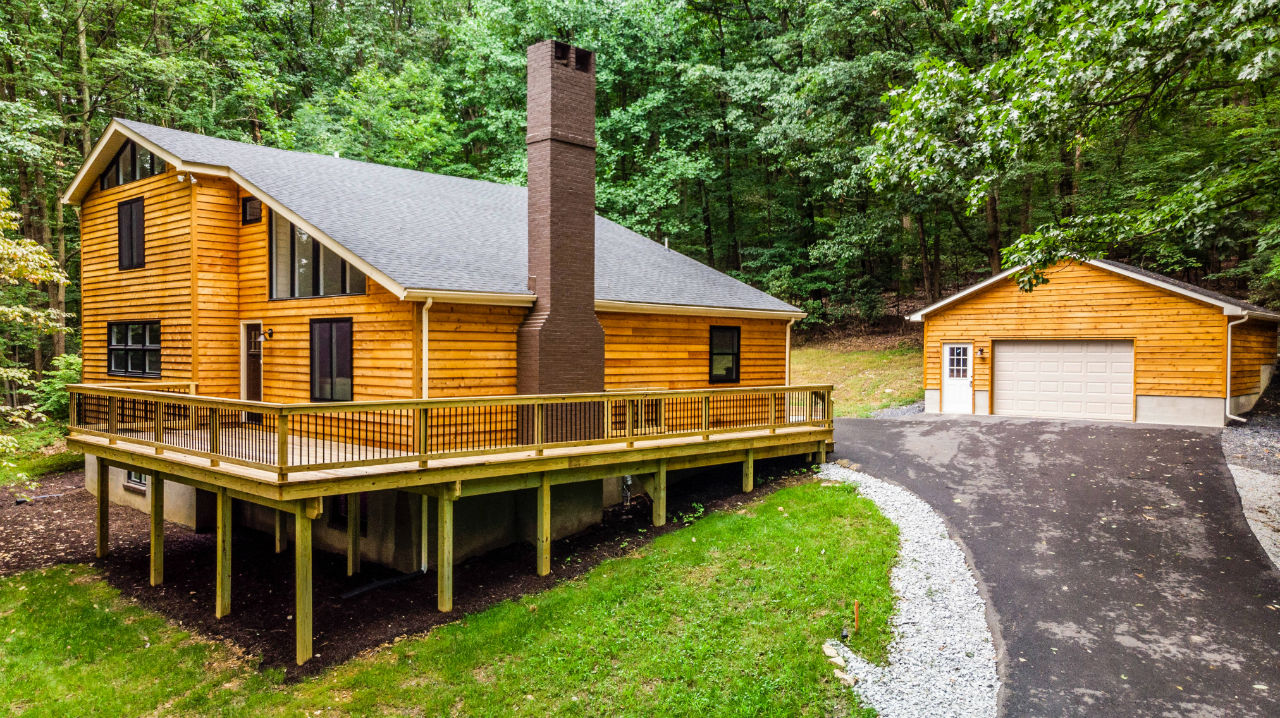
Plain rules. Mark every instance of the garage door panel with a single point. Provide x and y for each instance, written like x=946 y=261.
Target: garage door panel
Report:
x=1064 y=379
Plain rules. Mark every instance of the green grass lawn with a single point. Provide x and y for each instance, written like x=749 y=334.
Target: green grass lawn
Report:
x=864 y=379
x=41 y=450
x=724 y=617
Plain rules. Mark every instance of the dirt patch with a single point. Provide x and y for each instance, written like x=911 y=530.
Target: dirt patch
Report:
x=61 y=530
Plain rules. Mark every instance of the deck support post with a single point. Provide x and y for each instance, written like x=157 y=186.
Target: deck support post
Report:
x=302 y=582
x=822 y=452
x=353 y=534
x=282 y=534
x=544 y=526
x=660 y=494
x=104 y=504
x=444 y=552
x=155 y=501
x=749 y=472
x=222 y=540
x=424 y=552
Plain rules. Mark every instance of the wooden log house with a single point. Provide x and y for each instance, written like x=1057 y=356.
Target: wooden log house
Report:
x=406 y=367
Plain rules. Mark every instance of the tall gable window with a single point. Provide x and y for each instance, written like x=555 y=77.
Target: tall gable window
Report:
x=726 y=354
x=331 y=375
x=132 y=162
x=133 y=349
x=131 y=234
x=302 y=267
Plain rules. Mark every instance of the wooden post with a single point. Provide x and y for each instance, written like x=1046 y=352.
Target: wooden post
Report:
x=282 y=444
x=706 y=417
x=544 y=526
x=749 y=472
x=822 y=452
x=660 y=494
x=631 y=422
x=159 y=426
x=425 y=551
x=282 y=535
x=424 y=437
x=156 y=505
x=444 y=552
x=538 y=417
x=215 y=434
x=104 y=503
x=222 y=540
x=353 y=534
x=113 y=418
x=302 y=582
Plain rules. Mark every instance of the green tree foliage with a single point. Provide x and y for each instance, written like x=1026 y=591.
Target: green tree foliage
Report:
x=832 y=152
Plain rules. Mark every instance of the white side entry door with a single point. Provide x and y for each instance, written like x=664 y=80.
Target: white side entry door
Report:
x=957 y=378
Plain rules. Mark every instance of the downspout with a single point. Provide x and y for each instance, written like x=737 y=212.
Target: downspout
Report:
x=1227 y=407
x=787 y=377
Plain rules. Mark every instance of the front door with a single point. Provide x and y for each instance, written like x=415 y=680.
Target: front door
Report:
x=251 y=380
x=957 y=379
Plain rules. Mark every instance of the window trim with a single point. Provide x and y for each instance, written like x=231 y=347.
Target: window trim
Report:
x=333 y=363
x=137 y=255
x=144 y=347
x=317 y=250
x=712 y=377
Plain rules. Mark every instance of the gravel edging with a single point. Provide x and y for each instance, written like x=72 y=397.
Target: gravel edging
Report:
x=1260 y=498
x=942 y=660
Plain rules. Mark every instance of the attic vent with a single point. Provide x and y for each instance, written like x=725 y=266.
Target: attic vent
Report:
x=582 y=60
x=562 y=52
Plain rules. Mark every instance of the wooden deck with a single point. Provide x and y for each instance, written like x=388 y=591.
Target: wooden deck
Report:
x=282 y=456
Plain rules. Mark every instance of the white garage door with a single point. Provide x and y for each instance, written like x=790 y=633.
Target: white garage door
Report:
x=1064 y=379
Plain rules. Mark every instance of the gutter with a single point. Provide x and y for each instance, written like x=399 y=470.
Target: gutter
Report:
x=1227 y=407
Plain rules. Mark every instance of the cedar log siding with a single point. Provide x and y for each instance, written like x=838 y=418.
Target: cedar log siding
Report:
x=472 y=349
x=1253 y=347
x=1179 y=343
x=160 y=290
x=383 y=329
x=672 y=351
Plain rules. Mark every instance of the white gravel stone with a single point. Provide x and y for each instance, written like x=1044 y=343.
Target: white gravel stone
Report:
x=1260 y=499
x=942 y=660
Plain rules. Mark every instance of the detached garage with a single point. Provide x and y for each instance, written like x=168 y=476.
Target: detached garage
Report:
x=1102 y=340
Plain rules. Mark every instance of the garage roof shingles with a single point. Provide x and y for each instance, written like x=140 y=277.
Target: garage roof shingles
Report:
x=434 y=232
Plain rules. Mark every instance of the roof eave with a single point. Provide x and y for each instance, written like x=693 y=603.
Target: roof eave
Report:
x=614 y=305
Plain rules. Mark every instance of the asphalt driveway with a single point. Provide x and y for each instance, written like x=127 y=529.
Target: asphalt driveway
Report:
x=1116 y=559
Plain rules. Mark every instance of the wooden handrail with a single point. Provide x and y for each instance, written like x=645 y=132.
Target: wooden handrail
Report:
x=306 y=437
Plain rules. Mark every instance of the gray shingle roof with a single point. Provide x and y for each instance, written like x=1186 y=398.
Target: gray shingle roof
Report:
x=1185 y=286
x=434 y=232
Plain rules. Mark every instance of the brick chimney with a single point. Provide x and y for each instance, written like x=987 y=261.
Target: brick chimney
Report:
x=561 y=344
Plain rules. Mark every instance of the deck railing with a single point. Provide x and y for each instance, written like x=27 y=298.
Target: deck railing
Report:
x=288 y=438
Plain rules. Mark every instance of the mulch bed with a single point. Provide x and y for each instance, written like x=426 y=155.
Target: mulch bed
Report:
x=61 y=529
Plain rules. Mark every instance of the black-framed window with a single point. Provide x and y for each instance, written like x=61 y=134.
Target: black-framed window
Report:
x=726 y=354
x=331 y=376
x=133 y=348
x=131 y=233
x=302 y=267
x=131 y=162
x=135 y=480
x=250 y=210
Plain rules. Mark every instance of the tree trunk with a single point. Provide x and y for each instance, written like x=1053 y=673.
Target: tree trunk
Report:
x=1024 y=221
x=85 y=137
x=708 y=236
x=993 y=230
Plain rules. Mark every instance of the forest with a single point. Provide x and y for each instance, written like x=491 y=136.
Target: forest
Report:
x=844 y=155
